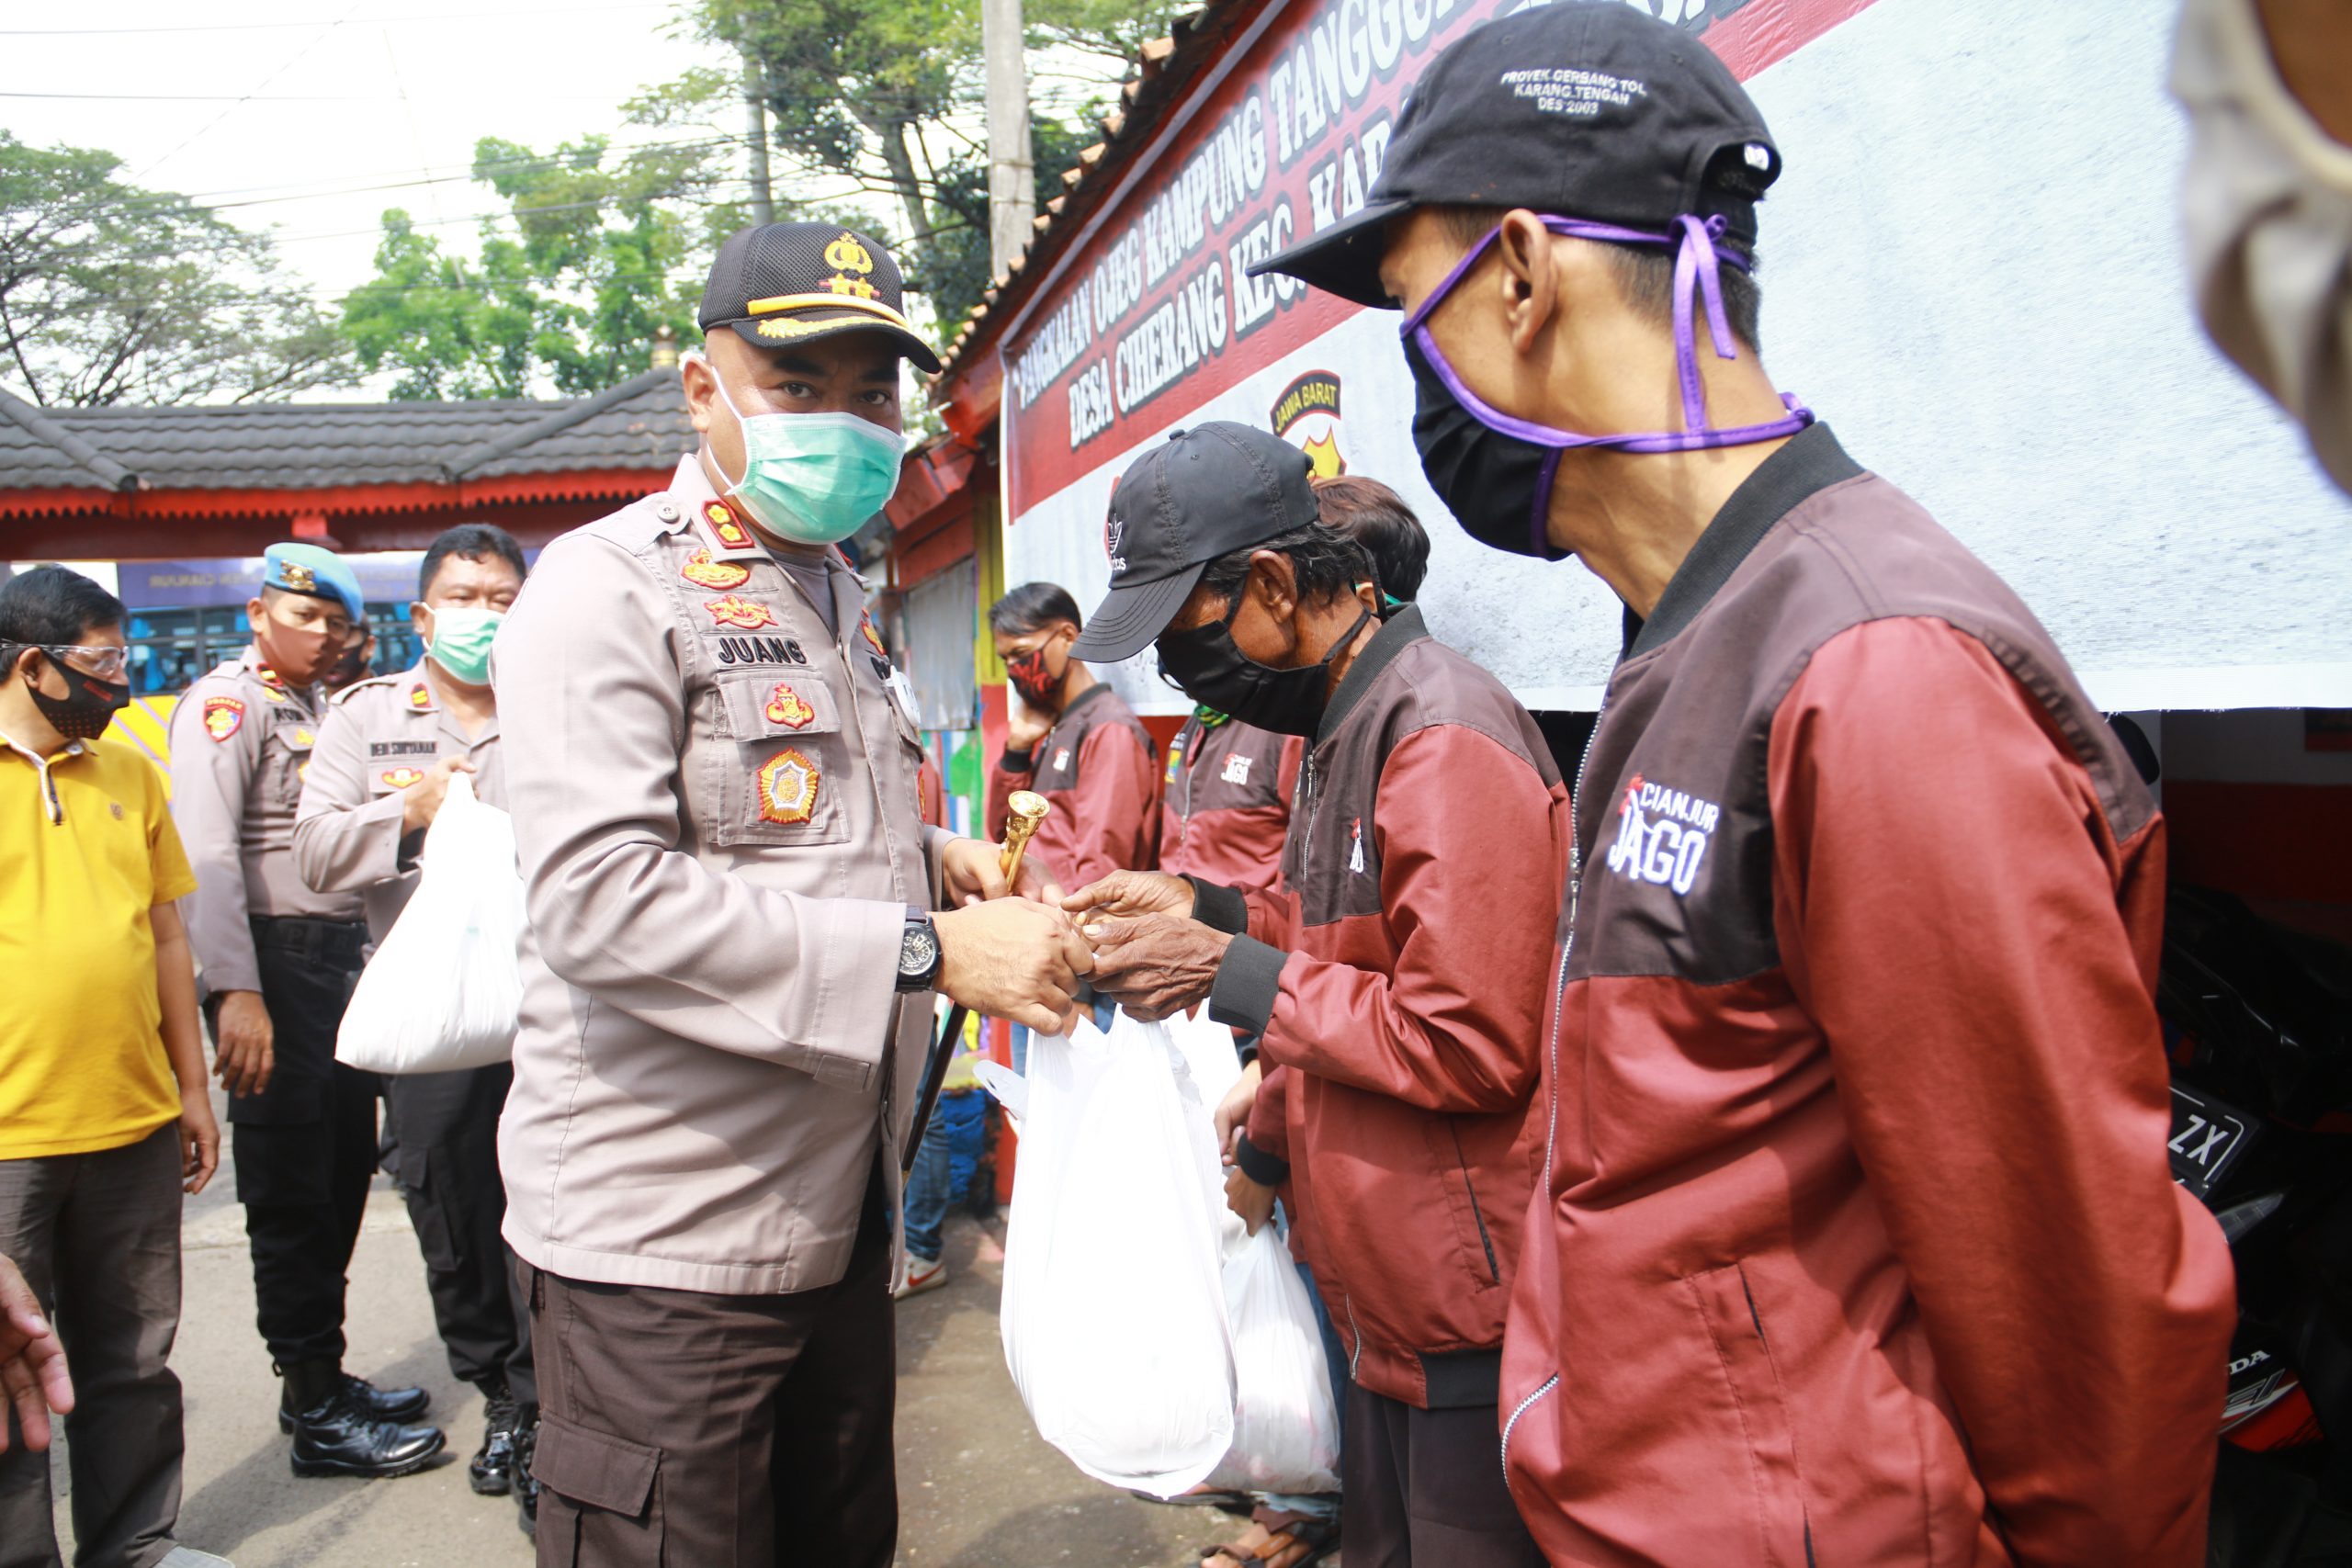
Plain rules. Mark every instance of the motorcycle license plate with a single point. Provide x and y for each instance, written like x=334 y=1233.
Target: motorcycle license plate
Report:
x=2208 y=1135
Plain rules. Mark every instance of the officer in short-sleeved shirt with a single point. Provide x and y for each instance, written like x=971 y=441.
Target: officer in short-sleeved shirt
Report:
x=277 y=962
x=384 y=761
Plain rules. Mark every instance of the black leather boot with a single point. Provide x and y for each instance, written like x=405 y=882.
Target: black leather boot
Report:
x=381 y=1403
x=336 y=1432
x=527 y=1486
x=492 y=1470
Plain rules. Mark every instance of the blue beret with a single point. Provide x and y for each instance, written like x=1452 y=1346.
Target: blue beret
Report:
x=321 y=574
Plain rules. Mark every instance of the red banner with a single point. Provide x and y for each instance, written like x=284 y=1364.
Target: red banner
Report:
x=1157 y=314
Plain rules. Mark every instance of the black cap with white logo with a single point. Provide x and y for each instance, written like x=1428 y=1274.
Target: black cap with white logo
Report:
x=1211 y=491
x=1584 y=109
x=781 y=284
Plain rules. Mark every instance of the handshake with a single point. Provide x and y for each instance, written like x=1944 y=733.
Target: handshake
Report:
x=1016 y=946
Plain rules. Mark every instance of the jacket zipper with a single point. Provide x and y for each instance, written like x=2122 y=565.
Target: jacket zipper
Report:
x=1355 y=1351
x=1547 y=1386
x=1494 y=1270
x=1559 y=992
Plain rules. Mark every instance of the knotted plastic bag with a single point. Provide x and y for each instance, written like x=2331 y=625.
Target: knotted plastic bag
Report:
x=443 y=991
x=1114 y=1308
x=1285 y=1424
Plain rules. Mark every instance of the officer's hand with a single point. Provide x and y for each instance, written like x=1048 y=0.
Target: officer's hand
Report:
x=199 y=1141
x=1013 y=958
x=421 y=802
x=242 y=1055
x=1127 y=893
x=1253 y=1203
x=1233 y=1110
x=972 y=870
x=32 y=1362
x=1154 y=966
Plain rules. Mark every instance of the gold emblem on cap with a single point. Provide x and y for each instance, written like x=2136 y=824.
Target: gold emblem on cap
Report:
x=848 y=254
x=298 y=577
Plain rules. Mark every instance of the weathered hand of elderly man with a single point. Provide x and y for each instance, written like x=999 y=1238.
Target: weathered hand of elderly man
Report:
x=1154 y=964
x=1131 y=893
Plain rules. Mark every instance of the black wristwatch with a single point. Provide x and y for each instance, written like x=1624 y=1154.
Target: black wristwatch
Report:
x=918 y=953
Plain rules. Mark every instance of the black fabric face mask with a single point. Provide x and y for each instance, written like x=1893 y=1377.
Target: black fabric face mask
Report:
x=1210 y=667
x=1498 y=487
x=89 y=705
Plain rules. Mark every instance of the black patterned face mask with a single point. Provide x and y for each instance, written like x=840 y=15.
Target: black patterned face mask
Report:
x=89 y=705
x=1209 y=667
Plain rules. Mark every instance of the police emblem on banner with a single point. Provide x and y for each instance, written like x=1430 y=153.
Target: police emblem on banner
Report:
x=1307 y=416
x=221 y=716
x=746 y=614
x=788 y=784
x=704 y=572
x=788 y=708
x=399 y=778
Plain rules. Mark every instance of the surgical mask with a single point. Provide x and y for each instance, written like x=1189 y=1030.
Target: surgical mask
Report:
x=461 y=637
x=1495 y=471
x=89 y=705
x=2268 y=207
x=1209 y=667
x=814 y=478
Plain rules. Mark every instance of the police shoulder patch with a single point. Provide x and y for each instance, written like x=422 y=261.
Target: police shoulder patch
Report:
x=221 y=716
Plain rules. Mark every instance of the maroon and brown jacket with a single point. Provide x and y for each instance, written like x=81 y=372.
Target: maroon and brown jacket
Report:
x=1859 y=1242
x=1096 y=765
x=1399 y=979
x=1226 y=803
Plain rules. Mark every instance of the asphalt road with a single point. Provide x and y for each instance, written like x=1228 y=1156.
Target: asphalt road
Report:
x=978 y=1488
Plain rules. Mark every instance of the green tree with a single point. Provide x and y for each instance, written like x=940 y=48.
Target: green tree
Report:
x=884 y=95
x=596 y=250
x=110 y=293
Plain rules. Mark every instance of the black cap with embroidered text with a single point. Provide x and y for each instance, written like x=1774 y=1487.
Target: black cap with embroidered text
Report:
x=1583 y=108
x=1210 y=491
x=780 y=284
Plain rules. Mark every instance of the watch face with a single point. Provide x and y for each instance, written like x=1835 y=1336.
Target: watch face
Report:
x=918 y=951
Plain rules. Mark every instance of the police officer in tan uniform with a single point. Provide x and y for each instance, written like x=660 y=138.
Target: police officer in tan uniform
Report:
x=378 y=775
x=277 y=961
x=731 y=958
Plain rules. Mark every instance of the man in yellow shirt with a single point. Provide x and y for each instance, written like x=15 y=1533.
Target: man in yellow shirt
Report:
x=103 y=1109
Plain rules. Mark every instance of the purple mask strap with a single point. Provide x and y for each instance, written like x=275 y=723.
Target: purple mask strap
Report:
x=1698 y=266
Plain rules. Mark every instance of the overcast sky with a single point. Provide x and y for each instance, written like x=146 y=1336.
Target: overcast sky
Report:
x=283 y=112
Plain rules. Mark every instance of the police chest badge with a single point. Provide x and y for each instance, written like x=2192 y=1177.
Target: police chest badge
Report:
x=418 y=697
x=873 y=638
x=704 y=572
x=400 y=778
x=787 y=784
x=746 y=614
x=788 y=708
x=731 y=534
x=222 y=717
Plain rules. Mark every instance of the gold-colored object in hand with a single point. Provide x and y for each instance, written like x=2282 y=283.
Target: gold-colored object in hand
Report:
x=1026 y=809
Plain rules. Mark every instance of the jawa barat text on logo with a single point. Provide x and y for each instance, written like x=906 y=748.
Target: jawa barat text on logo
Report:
x=1662 y=835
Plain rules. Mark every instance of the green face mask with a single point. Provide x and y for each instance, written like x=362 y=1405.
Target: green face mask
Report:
x=462 y=640
x=814 y=478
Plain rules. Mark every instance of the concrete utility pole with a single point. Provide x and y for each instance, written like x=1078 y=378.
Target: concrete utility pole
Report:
x=1012 y=175
x=755 y=130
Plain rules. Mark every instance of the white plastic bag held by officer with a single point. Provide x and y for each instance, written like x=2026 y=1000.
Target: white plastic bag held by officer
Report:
x=443 y=990
x=1114 y=1311
x=1285 y=1426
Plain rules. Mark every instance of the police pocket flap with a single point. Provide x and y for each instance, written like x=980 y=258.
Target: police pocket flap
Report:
x=595 y=1470
x=296 y=734
x=763 y=705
